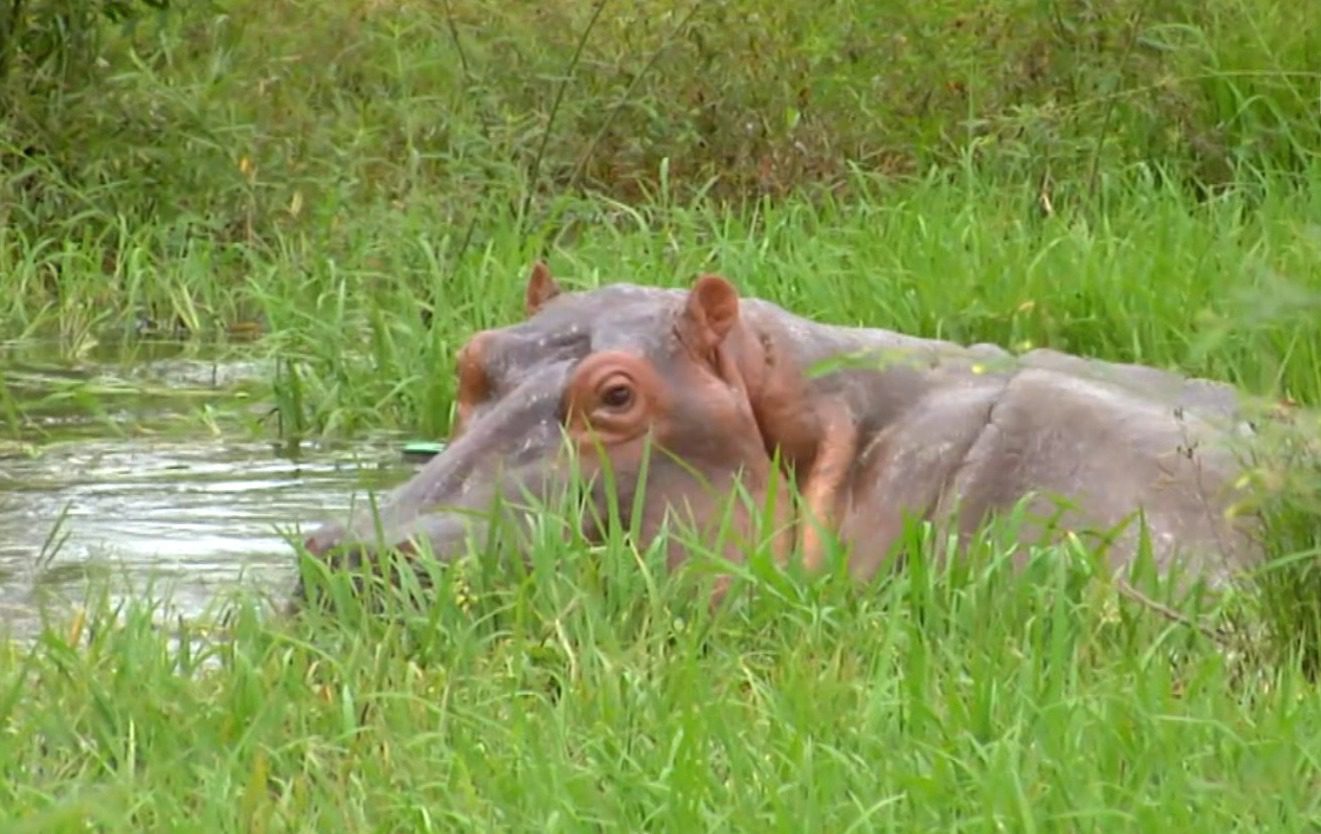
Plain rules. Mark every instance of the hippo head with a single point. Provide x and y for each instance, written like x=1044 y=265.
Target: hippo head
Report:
x=593 y=381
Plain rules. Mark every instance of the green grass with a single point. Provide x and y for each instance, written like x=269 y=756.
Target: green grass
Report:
x=246 y=116
x=367 y=191
x=594 y=691
x=597 y=693
x=366 y=319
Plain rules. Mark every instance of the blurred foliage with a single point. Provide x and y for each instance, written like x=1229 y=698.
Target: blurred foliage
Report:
x=243 y=117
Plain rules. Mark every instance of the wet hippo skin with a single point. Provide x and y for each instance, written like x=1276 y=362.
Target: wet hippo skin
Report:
x=725 y=388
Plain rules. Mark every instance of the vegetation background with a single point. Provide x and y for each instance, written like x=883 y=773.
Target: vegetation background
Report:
x=353 y=186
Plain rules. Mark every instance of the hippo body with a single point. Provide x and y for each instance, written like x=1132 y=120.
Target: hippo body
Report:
x=732 y=388
x=954 y=433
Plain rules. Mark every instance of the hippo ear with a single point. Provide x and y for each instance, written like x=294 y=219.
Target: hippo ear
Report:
x=709 y=314
x=541 y=287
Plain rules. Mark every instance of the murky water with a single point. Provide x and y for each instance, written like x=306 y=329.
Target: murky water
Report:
x=188 y=513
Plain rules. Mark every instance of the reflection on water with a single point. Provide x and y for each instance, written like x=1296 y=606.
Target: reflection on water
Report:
x=192 y=517
x=189 y=515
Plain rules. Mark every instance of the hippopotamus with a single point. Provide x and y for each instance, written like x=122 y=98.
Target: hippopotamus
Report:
x=865 y=427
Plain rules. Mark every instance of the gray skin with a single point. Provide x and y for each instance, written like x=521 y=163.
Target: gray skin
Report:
x=725 y=387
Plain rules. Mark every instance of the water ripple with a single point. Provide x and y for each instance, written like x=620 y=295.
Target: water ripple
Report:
x=191 y=516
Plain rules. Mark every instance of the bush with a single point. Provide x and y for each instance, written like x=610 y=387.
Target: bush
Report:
x=243 y=118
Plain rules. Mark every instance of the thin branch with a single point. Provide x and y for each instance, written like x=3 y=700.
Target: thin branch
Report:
x=628 y=94
x=554 y=110
x=1210 y=632
x=1133 y=30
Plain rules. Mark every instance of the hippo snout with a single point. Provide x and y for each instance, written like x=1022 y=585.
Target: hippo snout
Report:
x=445 y=535
x=440 y=536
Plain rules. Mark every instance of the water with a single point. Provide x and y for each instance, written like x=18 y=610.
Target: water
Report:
x=143 y=495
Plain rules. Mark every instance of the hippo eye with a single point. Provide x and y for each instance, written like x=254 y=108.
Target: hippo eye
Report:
x=610 y=395
x=617 y=396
